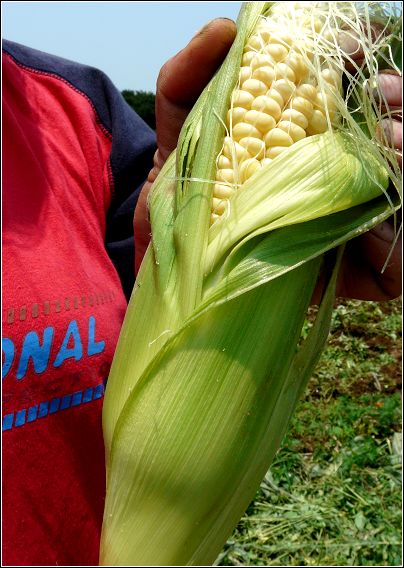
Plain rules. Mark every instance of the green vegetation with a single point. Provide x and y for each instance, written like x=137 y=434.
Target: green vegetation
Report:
x=143 y=103
x=333 y=494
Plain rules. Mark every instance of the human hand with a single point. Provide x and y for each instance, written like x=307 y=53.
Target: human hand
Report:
x=361 y=275
x=179 y=84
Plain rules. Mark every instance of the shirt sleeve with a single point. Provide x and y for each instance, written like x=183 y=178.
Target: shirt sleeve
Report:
x=133 y=146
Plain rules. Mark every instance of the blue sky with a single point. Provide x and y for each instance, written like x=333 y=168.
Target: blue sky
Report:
x=129 y=41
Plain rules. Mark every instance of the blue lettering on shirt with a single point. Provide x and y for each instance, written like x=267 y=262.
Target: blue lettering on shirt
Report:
x=94 y=347
x=32 y=349
x=8 y=355
x=39 y=352
x=74 y=352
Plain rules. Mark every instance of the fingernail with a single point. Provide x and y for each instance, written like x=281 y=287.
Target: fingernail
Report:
x=199 y=32
x=389 y=133
x=348 y=44
x=383 y=132
x=384 y=87
x=378 y=88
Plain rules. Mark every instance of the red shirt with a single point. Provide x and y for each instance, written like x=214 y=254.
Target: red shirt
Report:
x=63 y=299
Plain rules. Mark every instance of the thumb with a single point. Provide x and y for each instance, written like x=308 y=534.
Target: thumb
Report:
x=184 y=76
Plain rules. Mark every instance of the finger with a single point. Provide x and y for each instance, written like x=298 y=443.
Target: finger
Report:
x=390 y=87
x=182 y=79
x=141 y=222
x=352 y=47
x=141 y=226
x=390 y=132
x=371 y=267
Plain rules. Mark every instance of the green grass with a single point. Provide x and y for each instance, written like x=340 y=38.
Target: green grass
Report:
x=333 y=494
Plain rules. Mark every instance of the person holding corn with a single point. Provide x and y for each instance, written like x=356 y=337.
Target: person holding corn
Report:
x=75 y=158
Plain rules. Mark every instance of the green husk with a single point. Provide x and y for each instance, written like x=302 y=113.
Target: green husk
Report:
x=210 y=363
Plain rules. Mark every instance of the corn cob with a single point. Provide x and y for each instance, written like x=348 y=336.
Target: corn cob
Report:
x=210 y=362
x=278 y=101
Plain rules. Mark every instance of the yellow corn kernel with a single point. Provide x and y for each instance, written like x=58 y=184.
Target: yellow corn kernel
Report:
x=255 y=43
x=307 y=91
x=243 y=130
x=247 y=58
x=261 y=60
x=235 y=115
x=223 y=162
x=264 y=32
x=277 y=51
x=232 y=148
x=317 y=123
x=255 y=87
x=242 y=98
x=314 y=24
x=283 y=71
x=260 y=120
x=295 y=116
x=245 y=73
x=248 y=168
x=225 y=175
x=274 y=151
x=265 y=162
x=277 y=137
x=325 y=100
x=304 y=46
x=219 y=205
x=332 y=77
x=281 y=37
x=254 y=146
x=222 y=191
x=265 y=74
x=269 y=105
x=295 y=131
x=284 y=87
x=302 y=105
x=214 y=217
x=299 y=66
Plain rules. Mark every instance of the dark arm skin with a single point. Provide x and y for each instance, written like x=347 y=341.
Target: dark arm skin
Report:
x=365 y=256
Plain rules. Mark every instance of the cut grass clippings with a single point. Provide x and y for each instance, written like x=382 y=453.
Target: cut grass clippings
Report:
x=333 y=494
